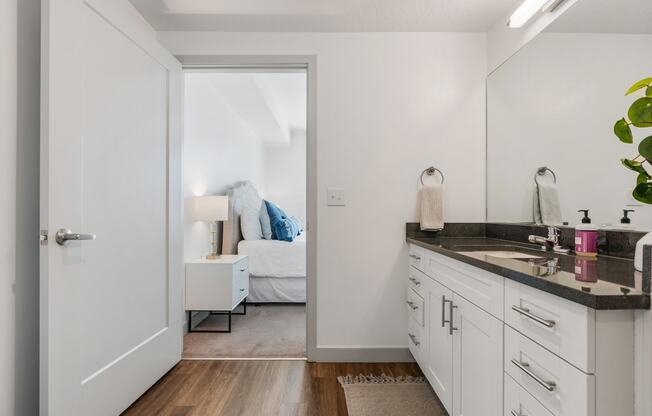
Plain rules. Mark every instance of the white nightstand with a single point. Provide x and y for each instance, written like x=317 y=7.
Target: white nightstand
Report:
x=217 y=286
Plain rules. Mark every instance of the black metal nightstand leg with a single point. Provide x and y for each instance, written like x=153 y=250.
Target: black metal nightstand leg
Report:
x=244 y=305
x=229 y=313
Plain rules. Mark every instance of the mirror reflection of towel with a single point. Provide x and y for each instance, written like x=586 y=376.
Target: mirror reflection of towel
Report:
x=432 y=207
x=547 y=209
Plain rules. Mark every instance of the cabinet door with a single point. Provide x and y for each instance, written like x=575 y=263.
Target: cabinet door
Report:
x=477 y=361
x=439 y=361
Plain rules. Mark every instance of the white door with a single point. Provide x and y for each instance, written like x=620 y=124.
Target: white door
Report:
x=440 y=342
x=477 y=361
x=110 y=307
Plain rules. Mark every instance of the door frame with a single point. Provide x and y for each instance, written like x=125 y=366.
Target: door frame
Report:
x=309 y=63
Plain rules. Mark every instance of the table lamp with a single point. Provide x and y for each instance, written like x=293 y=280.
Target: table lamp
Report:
x=211 y=208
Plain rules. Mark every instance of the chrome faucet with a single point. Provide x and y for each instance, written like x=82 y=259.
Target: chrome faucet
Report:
x=553 y=240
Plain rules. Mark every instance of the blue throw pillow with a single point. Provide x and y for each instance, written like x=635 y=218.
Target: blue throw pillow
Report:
x=284 y=228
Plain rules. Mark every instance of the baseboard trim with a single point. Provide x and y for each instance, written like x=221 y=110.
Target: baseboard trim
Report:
x=361 y=355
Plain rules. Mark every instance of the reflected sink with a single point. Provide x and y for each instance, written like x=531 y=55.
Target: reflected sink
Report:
x=503 y=254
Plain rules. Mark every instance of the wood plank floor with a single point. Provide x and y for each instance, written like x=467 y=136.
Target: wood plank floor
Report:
x=256 y=388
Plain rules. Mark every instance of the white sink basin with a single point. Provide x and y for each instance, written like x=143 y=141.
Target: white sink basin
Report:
x=501 y=254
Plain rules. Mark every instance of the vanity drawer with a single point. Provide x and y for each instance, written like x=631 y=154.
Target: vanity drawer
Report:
x=415 y=306
x=558 y=386
x=416 y=256
x=519 y=402
x=563 y=327
x=482 y=288
x=415 y=341
x=416 y=280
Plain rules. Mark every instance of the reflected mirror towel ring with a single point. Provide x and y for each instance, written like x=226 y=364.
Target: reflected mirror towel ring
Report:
x=542 y=171
x=430 y=172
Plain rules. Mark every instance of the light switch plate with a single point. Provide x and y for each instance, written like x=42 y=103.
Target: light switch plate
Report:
x=335 y=197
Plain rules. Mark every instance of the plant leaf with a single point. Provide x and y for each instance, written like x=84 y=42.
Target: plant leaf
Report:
x=645 y=148
x=642 y=177
x=648 y=91
x=623 y=131
x=643 y=192
x=633 y=165
x=640 y=112
x=641 y=84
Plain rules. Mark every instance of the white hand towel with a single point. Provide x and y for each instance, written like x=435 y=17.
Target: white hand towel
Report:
x=432 y=207
x=536 y=209
x=547 y=209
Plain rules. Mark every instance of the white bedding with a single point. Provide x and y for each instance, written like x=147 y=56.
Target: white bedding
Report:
x=274 y=290
x=273 y=258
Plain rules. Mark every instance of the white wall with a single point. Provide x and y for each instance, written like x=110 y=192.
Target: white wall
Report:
x=220 y=149
x=554 y=104
x=388 y=106
x=27 y=207
x=285 y=175
x=19 y=171
x=8 y=65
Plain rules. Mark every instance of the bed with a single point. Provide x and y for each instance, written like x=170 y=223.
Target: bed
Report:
x=277 y=268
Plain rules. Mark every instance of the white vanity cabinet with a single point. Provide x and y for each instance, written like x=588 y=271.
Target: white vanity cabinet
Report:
x=461 y=348
x=438 y=366
x=490 y=346
x=477 y=364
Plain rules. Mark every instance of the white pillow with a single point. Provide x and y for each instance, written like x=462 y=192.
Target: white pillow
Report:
x=250 y=224
x=265 y=222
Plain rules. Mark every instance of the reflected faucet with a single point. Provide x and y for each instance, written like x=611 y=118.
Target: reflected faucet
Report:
x=554 y=235
x=548 y=267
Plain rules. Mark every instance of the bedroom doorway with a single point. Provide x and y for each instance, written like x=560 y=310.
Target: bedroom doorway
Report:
x=246 y=152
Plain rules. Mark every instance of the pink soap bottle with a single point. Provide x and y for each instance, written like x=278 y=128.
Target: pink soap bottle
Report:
x=586 y=237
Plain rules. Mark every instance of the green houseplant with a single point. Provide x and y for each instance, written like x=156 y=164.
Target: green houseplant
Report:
x=639 y=115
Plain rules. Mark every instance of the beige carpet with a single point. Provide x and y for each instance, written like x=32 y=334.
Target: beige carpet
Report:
x=266 y=331
x=389 y=396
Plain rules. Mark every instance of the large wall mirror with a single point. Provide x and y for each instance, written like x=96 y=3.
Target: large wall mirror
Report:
x=554 y=104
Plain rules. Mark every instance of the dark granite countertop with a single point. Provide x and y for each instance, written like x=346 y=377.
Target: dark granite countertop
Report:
x=600 y=283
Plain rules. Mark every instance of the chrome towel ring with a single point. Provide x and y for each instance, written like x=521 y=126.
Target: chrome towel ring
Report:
x=542 y=171
x=430 y=172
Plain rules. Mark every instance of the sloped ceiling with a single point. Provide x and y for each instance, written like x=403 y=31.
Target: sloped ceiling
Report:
x=272 y=105
x=325 y=15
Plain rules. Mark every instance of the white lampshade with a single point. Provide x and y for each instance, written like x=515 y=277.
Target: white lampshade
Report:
x=210 y=208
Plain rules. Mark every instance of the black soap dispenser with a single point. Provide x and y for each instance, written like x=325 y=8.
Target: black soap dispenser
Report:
x=586 y=219
x=625 y=220
x=586 y=237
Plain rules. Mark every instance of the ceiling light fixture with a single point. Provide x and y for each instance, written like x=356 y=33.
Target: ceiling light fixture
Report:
x=526 y=11
x=552 y=5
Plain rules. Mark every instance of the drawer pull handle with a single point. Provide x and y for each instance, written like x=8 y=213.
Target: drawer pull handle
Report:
x=526 y=312
x=414 y=340
x=525 y=367
x=415 y=281
x=242 y=270
x=515 y=413
x=451 y=325
x=242 y=290
x=444 y=321
x=414 y=256
x=412 y=305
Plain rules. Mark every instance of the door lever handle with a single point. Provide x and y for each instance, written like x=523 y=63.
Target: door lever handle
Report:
x=64 y=235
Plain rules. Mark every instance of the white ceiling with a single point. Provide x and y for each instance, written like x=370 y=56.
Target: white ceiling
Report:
x=605 y=16
x=271 y=104
x=325 y=15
